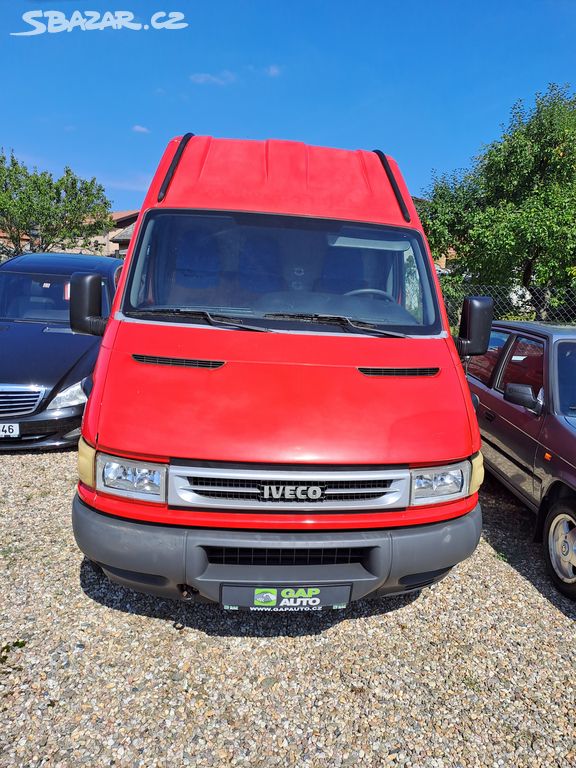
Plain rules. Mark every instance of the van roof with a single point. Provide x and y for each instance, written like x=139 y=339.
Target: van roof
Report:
x=284 y=177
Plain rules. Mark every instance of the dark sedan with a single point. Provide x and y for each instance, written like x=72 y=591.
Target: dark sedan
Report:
x=526 y=385
x=42 y=363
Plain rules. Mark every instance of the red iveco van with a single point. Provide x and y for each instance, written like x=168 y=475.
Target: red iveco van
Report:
x=278 y=418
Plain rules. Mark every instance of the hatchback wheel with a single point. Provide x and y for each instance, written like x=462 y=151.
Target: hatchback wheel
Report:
x=560 y=547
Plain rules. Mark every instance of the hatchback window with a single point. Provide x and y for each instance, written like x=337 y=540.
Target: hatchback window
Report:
x=525 y=365
x=567 y=377
x=481 y=367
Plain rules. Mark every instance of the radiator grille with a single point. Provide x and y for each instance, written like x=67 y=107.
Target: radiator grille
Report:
x=180 y=362
x=253 y=556
x=338 y=490
x=292 y=489
x=19 y=401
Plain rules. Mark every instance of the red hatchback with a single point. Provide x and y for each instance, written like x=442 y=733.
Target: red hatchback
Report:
x=279 y=418
x=526 y=388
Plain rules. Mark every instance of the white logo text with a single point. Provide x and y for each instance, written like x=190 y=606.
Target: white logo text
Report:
x=54 y=22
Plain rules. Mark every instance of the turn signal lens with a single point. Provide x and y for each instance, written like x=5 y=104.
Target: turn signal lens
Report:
x=86 y=455
x=477 y=477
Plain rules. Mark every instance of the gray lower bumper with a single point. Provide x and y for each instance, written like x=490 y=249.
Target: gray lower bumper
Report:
x=173 y=562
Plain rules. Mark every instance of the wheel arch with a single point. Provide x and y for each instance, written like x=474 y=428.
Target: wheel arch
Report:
x=558 y=490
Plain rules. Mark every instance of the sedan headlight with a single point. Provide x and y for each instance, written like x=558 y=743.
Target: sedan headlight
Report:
x=437 y=484
x=133 y=479
x=73 y=395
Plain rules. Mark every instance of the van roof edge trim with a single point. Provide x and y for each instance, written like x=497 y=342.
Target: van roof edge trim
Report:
x=394 y=184
x=173 y=165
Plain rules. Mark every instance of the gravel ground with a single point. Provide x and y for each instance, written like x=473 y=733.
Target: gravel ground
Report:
x=477 y=671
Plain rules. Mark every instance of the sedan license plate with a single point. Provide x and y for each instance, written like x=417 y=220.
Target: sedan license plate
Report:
x=283 y=598
x=9 y=430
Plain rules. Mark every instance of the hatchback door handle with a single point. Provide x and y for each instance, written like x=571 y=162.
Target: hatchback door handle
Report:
x=489 y=415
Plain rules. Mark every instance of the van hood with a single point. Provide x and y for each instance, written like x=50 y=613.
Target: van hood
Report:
x=281 y=397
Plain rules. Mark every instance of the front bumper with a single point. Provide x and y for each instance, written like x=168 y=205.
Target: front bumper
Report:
x=45 y=430
x=175 y=562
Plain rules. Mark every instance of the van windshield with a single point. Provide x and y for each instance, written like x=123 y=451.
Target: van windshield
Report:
x=279 y=271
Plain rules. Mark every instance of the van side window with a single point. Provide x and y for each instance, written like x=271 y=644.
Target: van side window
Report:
x=525 y=365
x=413 y=298
x=481 y=367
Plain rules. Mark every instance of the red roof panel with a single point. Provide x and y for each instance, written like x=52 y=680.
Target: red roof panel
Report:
x=281 y=177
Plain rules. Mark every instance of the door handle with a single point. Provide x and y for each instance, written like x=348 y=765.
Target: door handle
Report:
x=489 y=415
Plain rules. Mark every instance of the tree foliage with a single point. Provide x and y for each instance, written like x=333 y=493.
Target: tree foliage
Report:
x=61 y=213
x=511 y=218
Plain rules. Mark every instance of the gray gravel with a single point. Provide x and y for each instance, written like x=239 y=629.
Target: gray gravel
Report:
x=477 y=671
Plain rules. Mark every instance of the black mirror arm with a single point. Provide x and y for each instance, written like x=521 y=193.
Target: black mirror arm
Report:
x=97 y=325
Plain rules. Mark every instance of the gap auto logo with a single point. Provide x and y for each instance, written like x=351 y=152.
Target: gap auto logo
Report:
x=53 y=22
x=265 y=597
x=290 y=597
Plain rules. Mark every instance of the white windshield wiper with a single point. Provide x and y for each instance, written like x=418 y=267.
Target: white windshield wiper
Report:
x=217 y=320
x=341 y=320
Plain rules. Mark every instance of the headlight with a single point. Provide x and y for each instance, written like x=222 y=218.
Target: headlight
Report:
x=72 y=395
x=134 y=479
x=436 y=484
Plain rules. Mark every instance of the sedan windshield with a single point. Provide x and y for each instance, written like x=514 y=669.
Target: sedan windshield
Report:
x=281 y=272
x=42 y=298
x=25 y=296
x=567 y=377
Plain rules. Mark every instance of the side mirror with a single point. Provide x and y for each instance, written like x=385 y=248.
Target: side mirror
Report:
x=522 y=394
x=86 y=304
x=475 y=325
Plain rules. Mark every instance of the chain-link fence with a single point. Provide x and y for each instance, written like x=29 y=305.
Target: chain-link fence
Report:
x=516 y=303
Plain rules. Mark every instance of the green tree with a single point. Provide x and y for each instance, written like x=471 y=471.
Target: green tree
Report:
x=61 y=213
x=511 y=217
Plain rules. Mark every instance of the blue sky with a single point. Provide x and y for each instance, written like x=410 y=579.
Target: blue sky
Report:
x=429 y=82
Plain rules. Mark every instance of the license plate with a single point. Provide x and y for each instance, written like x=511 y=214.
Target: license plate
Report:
x=285 y=598
x=9 y=430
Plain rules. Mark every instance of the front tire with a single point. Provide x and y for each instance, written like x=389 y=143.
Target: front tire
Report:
x=559 y=543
